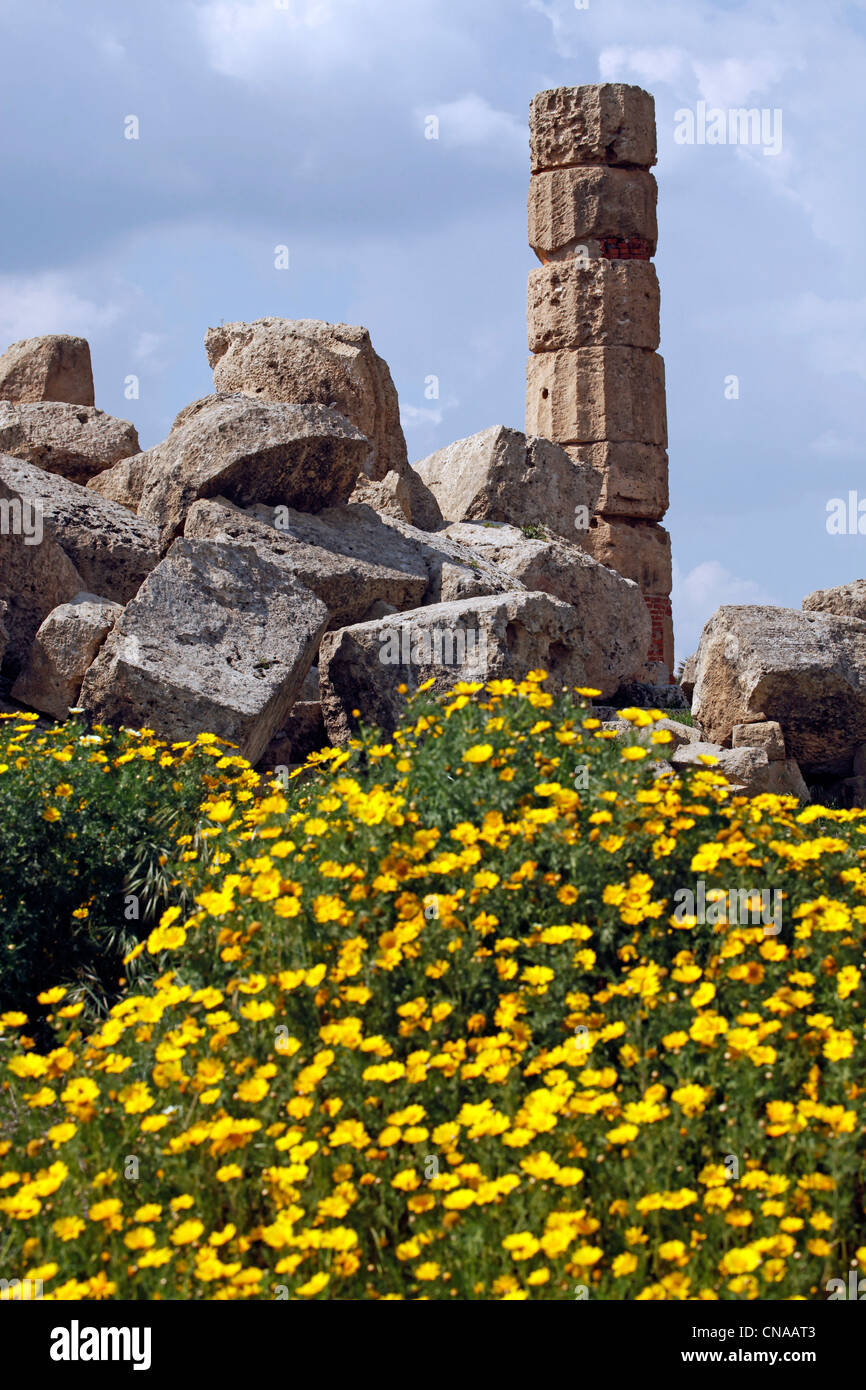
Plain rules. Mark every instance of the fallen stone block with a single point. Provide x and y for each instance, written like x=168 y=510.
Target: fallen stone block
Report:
x=645 y=695
x=124 y=482
x=424 y=511
x=374 y=565
x=853 y=793
x=687 y=677
x=449 y=570
x=218 y=640
x=55 y=367
x=501 y=475
x=747 y=769
x=613 y=618
x=682 y=735
x=502 y=636
x=303 y=456
x=74 y=441
x=36 y=575
x=784 y=778
x=767 y=735
x=308 y=362
x=846 y=601
x=63 y=648
x=390 y=496
x=804 y=670
x=112 y=550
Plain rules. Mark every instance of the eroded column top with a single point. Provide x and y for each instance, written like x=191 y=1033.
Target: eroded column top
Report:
x=603 y=123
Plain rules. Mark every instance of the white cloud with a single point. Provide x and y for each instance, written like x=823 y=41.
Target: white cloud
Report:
x=148 y=347
x=251 y=39
x=47 y=303
x=242 y=36
x=697 y=594
x=649 y=64
x=730 y=82
x=561 y=37
x=733 y=81
x=472 y=121
x=414 y=416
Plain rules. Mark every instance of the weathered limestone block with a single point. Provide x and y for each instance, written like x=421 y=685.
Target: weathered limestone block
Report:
x=304 y=456
x=112 y=550
x=65 y=645
x=747 y=769
x=357 y=540
x=603 y=123
x=387 y=569
x=613 y=618
x=767 y=735
x=599 y=303
x=124 y=482
x=596 y=394
x=390 y=496
x=307 y=362
x=847 y=600
x=805 y=671
x=75 y=441
x=55 y=367
x=218 y=639
x=501 y=636
x=687 y=676
x=681 y=734
x=638 y=550
x=634 y=477
x=569 y=208
x=35 y=573
x=501 y=475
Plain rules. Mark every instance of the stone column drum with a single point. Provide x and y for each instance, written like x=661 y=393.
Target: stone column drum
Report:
x=595 y=381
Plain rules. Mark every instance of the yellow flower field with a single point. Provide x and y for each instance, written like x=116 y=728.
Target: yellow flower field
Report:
x=425 y=1024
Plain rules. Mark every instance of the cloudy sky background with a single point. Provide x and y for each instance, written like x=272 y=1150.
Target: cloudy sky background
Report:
x=301 y=123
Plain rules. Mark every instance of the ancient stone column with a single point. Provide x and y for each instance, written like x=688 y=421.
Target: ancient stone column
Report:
x=595 y=382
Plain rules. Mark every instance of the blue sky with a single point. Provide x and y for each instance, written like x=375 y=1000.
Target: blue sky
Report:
x=302 y=123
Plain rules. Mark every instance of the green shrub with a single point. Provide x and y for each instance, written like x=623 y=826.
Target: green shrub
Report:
x=89 y=823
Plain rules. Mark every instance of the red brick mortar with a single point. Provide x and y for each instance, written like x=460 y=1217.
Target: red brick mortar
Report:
x=659 y=609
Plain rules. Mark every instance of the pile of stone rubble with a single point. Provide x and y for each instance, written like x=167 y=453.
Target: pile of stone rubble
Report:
x=275 y=564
